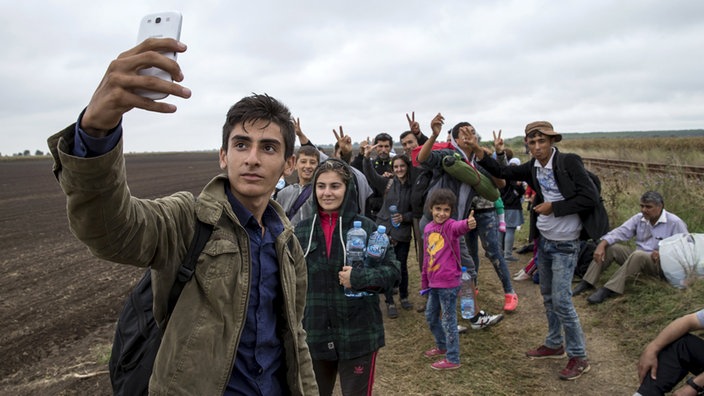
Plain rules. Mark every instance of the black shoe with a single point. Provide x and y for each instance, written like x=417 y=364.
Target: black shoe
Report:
x=391 y=311
x=525 y=249
x=581 y=288
x=600 y=295
x=405 y=304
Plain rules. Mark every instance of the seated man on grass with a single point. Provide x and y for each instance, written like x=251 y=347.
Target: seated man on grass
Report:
x=670 y=356
x=648 y=227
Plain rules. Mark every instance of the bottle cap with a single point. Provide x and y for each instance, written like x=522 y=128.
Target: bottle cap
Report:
x=464 y=269
x=393 y=208
x=357 y=224
x=381 y=229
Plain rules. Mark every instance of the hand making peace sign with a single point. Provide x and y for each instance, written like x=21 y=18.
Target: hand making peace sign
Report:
x=413 y=124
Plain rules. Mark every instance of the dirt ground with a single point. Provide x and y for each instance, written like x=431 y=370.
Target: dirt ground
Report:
x=59 y=304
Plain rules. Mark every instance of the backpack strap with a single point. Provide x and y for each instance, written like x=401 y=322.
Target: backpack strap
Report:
x=188 y=266
x=302 y=198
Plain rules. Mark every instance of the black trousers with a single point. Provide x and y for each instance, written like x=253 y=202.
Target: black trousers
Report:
x=356 y=375
x=675 y=361
x=401 y=250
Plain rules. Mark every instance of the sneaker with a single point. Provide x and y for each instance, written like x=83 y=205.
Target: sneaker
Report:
x=483 y=320
x=575 y=368
x=434 y=352
x=510 y=302
x=521 y=276
x=510 y=258
x=391 y=311
x=445 y=365
x=543 y=352
x=405 y=304
x=461 y=329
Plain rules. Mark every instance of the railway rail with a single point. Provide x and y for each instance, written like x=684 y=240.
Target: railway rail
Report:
x=688 y=170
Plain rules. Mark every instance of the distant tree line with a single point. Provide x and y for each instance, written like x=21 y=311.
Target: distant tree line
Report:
x=28 y=153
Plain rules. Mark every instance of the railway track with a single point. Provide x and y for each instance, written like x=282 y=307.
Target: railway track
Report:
x=691 y=171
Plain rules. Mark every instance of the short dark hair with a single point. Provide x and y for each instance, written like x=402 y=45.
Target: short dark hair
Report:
x=347 y=156
x=265 y=108
x=653 y=197
x=310 y=151
x=442 y=196
x=404 y=134
x=509 y=153
x=384 y=137
x=456 y=129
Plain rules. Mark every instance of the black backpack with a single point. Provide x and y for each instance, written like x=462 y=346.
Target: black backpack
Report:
x=137 y=335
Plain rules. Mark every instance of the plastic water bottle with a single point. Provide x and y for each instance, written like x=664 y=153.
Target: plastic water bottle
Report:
x=393 y=209
x=466 y=295
x=378 y=243
x=356 y=247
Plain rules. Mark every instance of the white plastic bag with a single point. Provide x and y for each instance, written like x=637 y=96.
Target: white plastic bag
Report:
x=678 y=259
x=699 y=253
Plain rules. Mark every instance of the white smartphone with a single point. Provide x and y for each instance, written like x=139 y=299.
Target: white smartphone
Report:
x=162 y=25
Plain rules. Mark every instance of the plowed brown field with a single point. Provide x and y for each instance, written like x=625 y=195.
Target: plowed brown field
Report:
x=57 y=301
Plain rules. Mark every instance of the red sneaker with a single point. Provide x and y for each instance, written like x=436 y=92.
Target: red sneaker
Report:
x=543 y=352
x=435 y=352
x=445 y=365
x=510 y=302
x=575 y=368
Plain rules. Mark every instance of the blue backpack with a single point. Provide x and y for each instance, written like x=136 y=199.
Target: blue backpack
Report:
x=137 y=335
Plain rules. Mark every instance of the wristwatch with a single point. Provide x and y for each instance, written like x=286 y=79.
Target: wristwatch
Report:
x=699 y=389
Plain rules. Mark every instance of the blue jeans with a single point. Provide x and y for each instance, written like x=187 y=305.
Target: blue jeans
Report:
x=514 y=218
x=556 y=263
x=488 y=232
x=441 y=315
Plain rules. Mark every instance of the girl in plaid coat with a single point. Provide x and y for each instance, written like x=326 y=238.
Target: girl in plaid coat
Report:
x=344 y=333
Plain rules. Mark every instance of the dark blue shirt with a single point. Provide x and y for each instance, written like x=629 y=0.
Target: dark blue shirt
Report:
x=86 y=146
x=258 y=368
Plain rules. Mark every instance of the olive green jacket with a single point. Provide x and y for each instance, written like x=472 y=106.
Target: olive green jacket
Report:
x=198 y=349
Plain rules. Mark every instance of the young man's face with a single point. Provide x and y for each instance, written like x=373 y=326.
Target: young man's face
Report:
x=540 y=147
x=409 y=142
x=383 y=148
x=330 y=190
x=254 y=162
x=441 y=212
x=305 y=167
x=651 y=211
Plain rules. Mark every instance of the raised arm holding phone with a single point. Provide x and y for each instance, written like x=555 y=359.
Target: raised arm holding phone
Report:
x=237 y=325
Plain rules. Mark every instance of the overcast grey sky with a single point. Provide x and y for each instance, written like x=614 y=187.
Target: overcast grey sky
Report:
x=583 y=65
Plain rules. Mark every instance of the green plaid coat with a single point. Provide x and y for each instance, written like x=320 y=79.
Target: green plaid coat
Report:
x=339 y=327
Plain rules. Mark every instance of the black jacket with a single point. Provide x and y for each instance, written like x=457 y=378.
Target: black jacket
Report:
x=575 y=185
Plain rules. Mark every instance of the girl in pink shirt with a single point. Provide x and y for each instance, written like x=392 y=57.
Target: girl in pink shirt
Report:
x=441 y=276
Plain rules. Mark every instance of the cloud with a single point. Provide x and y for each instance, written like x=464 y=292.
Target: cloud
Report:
x=585 y=66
